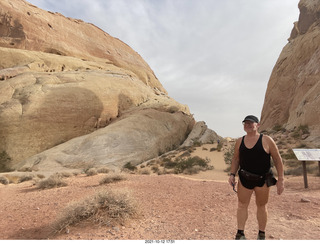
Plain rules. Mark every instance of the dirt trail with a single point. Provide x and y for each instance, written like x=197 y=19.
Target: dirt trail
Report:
x=173 y=208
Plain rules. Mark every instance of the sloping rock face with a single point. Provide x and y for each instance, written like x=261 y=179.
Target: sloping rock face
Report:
x=133 y=138
x=293 y=94
x=24 y=26
x=201 y=133
x=58 y=83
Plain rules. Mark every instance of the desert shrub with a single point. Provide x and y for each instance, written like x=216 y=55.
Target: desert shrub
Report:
x=24 y=178
x=52 y=182
x=104 y=208
x=228 y=155
x=219 y=147
x=65 y=174
x=278 y=127
x=304 y=129
x=180 y=164
x=193 y=170
x=129 y=166
x=294 y=163
x=41 y=176
x=298 y=132
x=112 y=178
x=91 y=172
x=197 y=143
x=4 y=180
x=289 y=155
x=185 y=154
x=144 y=171
x=155 y=168
x=103 y=170
x=298 y=170
x=4 y=162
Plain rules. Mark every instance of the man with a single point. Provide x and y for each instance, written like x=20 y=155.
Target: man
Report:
x=252 y=154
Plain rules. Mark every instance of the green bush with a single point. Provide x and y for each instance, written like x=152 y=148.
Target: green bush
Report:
x=182 y=165
x=228 y=155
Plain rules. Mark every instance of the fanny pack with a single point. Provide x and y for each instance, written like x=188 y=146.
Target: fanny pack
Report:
x=268 y=177
x=250 y=176
x=270 y=180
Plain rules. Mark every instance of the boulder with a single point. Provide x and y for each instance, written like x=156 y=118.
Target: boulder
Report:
x=57 y=84
x=201 y=133
x=134 y=138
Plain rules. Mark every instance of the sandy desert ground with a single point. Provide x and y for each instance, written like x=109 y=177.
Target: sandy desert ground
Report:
x=173 y=207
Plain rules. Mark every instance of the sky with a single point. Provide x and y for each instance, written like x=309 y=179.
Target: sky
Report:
x=216 y=56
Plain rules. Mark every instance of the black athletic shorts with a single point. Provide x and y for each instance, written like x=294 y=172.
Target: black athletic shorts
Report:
x=250 y=184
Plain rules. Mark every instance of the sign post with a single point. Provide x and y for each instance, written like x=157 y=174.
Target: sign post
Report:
x=304 y=155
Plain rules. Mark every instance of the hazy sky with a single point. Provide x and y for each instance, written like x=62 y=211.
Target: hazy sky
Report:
x=216 y=56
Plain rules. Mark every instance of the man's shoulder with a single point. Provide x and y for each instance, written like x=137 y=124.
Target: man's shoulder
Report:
x=267 y=138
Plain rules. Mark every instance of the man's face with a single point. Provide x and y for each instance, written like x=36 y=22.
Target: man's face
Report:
x=250 y=126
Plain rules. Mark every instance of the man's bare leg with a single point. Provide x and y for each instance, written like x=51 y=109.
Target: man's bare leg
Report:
x=262 y=197
x=244 y=196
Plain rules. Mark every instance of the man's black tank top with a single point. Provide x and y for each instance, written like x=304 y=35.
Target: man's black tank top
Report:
x=254 y=160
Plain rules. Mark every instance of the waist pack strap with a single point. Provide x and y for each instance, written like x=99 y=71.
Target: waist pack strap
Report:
x=250 y=175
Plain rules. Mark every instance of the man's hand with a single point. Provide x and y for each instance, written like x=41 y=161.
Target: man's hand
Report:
x=232 y=181
x=280 y=186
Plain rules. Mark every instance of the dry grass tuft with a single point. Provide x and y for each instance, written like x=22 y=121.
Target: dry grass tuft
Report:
x=112 y=178
x=52 y=182
x=91 y=172
x=104 y=208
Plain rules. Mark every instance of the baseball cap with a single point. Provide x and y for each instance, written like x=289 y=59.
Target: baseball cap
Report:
x=251 y=118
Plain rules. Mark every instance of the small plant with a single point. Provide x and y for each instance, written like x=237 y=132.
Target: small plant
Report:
x=65 y=174
x=104 y=208
x=25 y=178
x=129 y=166
x=228 y=155
x=277 y=128
x=144 y=171
x=219 y=147
x=4 y=180
x=53 y=181
x=304 y=129
x=112 y=178
x=181 y=165
x=91 y=172
x=197 y=143
x=155 y=168
x=103 y=170
x=4 y=162
x=289 y=155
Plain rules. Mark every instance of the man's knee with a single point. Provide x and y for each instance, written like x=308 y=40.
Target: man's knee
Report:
x=243 y=204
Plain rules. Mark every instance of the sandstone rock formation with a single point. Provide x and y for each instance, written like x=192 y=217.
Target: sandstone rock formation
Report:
x=57 y=84
x=293 y=94
x=133 y=138
x=201 y=133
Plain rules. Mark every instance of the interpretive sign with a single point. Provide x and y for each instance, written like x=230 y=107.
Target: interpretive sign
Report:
x=304 y=155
